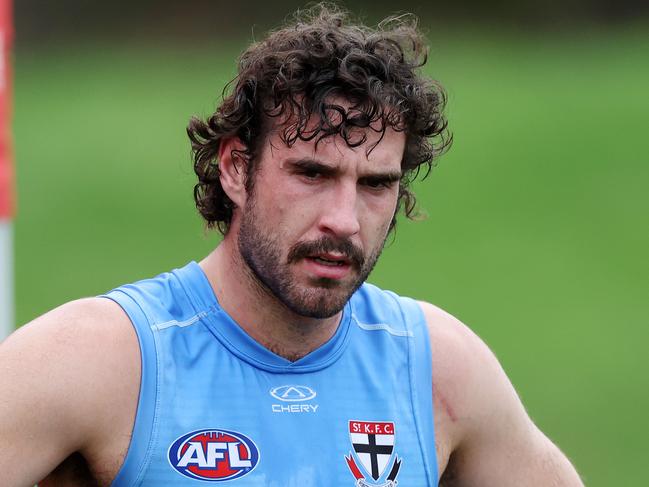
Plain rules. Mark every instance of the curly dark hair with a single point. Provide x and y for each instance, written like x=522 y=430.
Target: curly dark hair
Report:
x=298 y=72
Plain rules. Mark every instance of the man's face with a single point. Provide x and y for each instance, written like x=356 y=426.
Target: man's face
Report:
x=317 y=217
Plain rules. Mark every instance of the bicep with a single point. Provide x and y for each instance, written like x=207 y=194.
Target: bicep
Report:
x=62 y=377
x=35 y=432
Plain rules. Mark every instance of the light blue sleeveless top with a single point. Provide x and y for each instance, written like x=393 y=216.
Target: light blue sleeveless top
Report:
x=215 y=406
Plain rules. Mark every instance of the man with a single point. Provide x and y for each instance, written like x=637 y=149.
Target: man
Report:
x=271 y=363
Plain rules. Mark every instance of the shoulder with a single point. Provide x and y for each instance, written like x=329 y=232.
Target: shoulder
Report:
x=469 y=382
x=461 y=359
x=89 y=331
x=375 y=305
x=463 y=366
x=85 y=346
x=67 y=374
x=481 y=417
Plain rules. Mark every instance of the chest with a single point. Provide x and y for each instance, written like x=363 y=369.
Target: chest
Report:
x=220 y=418
x=102 y=469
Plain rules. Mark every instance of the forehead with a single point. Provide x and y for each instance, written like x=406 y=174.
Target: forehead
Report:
x=378 y=151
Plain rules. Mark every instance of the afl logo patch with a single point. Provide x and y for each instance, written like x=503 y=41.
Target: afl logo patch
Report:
x=213 y=455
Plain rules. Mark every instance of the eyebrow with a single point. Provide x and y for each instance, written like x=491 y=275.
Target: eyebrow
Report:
x=310 y=164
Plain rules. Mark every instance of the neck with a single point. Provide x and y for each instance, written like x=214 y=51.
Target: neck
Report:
x=255 y=309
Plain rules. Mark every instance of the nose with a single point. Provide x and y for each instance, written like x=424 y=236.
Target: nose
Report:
x=339 y=214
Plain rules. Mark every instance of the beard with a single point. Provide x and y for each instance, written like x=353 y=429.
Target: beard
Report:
x=261 y=250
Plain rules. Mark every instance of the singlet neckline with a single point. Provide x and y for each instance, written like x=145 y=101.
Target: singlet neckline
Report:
x=232 y=336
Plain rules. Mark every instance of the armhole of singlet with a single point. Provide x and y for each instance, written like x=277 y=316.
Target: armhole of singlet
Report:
x=421 y=383
x=141 y=436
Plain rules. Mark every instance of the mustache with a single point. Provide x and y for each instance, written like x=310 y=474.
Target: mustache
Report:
x=327 y=244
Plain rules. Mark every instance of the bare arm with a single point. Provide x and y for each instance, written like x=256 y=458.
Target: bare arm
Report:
x=58 y=387
x=493 y=442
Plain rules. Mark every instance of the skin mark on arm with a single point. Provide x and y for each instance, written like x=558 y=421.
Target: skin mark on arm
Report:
x=439 y=397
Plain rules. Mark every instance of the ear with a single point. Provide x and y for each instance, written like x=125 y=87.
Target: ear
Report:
x=232 y=169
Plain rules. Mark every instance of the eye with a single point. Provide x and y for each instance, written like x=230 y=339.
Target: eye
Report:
x=311 y=173
x=377 y=183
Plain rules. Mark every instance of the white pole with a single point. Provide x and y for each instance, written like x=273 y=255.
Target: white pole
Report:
x=6 y=279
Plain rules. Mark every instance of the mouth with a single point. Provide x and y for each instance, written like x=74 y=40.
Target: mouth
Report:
x=331 y=260
x=330 y=266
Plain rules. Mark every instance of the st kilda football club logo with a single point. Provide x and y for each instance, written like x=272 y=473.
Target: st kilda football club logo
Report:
x=373 y=462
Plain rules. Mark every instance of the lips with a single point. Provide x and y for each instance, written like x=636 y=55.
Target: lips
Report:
x=328 y=266
x=330 y=259
x=327 y=258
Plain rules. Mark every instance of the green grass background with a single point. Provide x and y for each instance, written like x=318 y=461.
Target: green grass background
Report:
x=537 y=230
